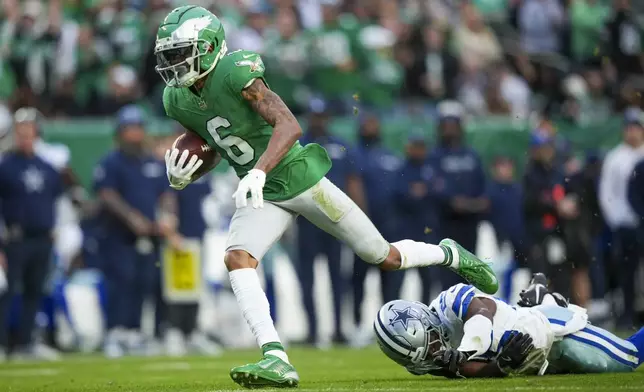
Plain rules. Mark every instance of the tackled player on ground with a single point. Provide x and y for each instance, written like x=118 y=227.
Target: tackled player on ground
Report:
x=465 y=333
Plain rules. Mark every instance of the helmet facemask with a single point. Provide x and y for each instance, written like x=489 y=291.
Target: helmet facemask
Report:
x=436 y=338
x=179 y=63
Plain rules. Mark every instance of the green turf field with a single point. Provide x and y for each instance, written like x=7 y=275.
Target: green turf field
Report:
x=335 y=370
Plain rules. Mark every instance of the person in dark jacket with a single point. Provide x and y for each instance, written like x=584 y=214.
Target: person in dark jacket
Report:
x=462 y=200
x=29 y=190
x=130 y=184
x=506 y=208
x=543 y=193
x=415 y=204
x=378 y=169
x=581 y=229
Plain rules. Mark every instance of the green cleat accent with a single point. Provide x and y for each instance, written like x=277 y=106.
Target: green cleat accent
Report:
x=470 y=267
x=270 y=372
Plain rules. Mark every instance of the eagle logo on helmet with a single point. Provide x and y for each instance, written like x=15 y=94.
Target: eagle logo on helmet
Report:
x=190 y=28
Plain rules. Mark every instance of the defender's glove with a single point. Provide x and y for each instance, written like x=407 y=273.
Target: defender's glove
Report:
x=514 y=352
x=253 y=182
x=178 y=170
x=450 y=360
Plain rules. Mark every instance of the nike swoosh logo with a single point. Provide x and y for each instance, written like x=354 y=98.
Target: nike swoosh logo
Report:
x=491 y=275
x=247 y=56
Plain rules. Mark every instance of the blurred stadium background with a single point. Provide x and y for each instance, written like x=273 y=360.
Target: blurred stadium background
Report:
x=567 y=70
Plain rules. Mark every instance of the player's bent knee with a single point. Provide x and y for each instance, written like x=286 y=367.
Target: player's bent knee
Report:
x=238 y=259
x=392 y=261
x=372 y=250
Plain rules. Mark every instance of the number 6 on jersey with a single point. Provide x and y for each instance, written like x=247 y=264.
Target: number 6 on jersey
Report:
x=238 y=150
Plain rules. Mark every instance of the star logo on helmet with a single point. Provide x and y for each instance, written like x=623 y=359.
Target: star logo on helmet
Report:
x=403 y=316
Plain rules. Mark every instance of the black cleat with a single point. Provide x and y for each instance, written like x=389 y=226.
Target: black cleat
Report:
x=534 y=294
x=561 y=301
x=539 y=278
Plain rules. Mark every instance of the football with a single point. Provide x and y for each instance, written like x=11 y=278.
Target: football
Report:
x=197 y=146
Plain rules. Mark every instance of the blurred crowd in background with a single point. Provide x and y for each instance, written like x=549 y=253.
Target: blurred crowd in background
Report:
x=581 y=58
x=574 y=216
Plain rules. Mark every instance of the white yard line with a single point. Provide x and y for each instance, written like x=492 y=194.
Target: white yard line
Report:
x=26 y=372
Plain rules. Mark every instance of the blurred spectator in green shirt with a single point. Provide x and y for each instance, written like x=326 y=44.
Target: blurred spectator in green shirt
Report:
x=286 y=57
x=336 y=56
x=125 y=30
x=383 y=75
x=587 y=19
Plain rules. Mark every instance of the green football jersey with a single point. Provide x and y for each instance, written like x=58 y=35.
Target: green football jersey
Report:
x=227 y=122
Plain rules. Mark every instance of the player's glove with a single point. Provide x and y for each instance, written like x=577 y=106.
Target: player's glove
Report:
x=178 y=170
x=450 y=360
x=514 y=352
x=253 y=182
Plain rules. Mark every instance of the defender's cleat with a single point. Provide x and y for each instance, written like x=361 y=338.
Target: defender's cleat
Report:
x=471 y=268
x=539 y=278
x=533 y=295
x=536 y=293
x=270 y=372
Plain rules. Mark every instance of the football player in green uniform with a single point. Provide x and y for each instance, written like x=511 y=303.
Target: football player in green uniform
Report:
x=225 y=100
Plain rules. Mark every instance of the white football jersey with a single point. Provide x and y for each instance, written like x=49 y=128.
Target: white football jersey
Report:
x=452 y=305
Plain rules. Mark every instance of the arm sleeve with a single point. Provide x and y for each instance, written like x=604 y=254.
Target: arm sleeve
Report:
x=247 y=66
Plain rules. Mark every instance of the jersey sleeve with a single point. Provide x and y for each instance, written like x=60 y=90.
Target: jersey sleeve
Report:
x=245 y=67
x=457 y=299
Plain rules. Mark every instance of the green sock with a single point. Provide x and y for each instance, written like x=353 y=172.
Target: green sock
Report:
x=275 y=349
x=448 y=255
x=272 y=346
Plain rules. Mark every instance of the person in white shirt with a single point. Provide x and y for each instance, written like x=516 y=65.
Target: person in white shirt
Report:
x=618 y=213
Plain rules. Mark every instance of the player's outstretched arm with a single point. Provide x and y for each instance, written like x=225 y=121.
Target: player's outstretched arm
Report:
x=286 y=129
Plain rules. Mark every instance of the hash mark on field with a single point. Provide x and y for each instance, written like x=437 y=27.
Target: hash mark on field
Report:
x=29 y=372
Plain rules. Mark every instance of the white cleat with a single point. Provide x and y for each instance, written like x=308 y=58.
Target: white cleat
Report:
x=200 y=344
x=175 y=344
x=45 y=352
x=362 y=338
x=113 y=349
